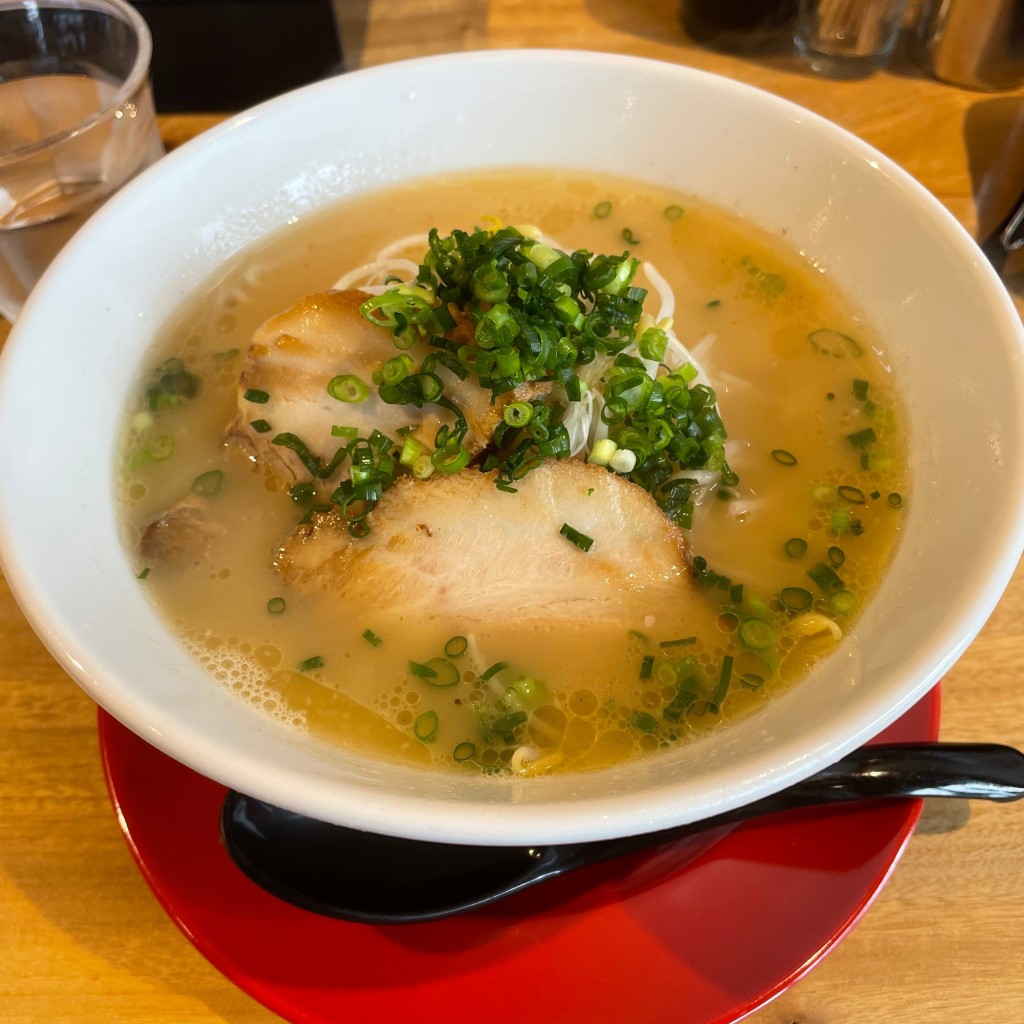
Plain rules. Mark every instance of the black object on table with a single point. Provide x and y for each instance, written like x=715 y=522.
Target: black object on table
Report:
x=740 y=26
x=1007 y=237
x=225 y=55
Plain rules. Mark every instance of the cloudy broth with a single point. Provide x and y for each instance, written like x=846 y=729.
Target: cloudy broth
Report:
x=814 y=437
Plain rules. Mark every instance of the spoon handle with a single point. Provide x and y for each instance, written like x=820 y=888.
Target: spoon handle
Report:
x=976 y=771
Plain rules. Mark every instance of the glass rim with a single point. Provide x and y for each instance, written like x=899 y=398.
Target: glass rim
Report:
x=135 y=77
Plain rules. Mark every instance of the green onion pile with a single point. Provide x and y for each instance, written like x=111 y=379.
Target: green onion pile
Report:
x=538 y=315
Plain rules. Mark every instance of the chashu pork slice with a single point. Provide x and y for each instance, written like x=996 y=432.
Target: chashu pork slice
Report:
x=183 y=536
x=296 y=353
x=456 y=546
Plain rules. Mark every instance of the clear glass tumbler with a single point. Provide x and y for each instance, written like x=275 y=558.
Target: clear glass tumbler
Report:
x=847 y=38
x=76 y=123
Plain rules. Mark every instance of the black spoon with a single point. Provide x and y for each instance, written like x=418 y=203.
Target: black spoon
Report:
x=361 y=876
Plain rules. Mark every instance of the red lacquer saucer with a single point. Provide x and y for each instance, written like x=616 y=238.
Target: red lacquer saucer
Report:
x=701 y=934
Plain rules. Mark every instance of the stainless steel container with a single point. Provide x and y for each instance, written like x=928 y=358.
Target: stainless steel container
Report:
x=977 y=44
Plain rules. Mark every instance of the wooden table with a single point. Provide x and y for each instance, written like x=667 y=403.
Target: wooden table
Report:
x=82 y=938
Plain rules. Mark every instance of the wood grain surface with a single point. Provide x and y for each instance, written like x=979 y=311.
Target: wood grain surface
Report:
x=83 y=940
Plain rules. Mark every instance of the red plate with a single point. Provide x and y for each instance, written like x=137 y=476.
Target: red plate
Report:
x=703 y=934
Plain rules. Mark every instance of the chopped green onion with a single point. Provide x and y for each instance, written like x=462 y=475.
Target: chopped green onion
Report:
x=718 y=698
x=143 y=574
x=431 y=386
x=623 y=461
x=490 y=284
x=757 y=634
x=834 y=343
x=842 y=602
x=436 y=671
x=581 y=540
x=644 y=721
x=295 y=444
x=602 y=210
x=796 y=598
x=456 y=646
x=825 y=577
x=714 y=303
x=344 y=431
x=751 y=681
x=347 y=387
x=895 y=499
x=172 y=385
x=862 y=438
x=647 y=666
x=256 y=396
x=423 y=467
x=261 y=426
x=836 y=555
x=602 y=452
x=672 y=212
x=207 y=484
x=629 y=238
x=795 y=547
x=276 y=605
x=464 y=751
x=840 y=519
x=684 y=699
x=854 y=495
x=784 y=458
x=652 y=344
x=518 y=414
x=300 y=492
x=411 y=451
x=505 y=726
x=311 y=663
x=450 y=460
x=666 y=673
x=425 y=727
x=683 y=641
x=371 y=638
x=860 y=390
x=572 y=384
x=395 y=370
x=160 y=448
x=771 y=284
x=498 y=666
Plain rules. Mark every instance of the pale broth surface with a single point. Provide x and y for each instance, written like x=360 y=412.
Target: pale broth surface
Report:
x=753 y=302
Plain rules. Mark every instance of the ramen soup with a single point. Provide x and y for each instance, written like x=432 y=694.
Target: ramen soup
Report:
x=514 y=474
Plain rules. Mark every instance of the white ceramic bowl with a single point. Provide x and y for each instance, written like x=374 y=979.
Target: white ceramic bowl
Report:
x=951 y=331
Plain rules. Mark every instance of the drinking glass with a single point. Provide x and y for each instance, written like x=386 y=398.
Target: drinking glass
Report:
x=847 y=38
x=76 y=123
